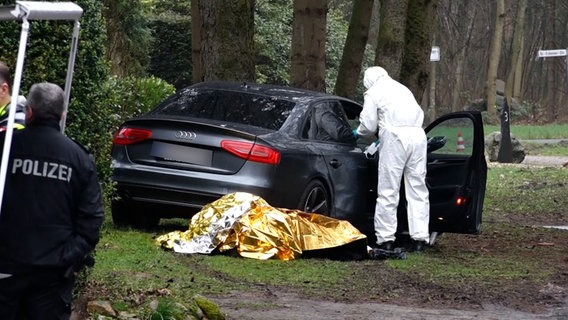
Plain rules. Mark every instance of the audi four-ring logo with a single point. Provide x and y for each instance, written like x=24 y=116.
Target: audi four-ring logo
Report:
x=186 y=135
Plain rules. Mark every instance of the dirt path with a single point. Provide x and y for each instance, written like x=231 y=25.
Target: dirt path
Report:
x=286 y=306
x=546 y=160
x=270 y=304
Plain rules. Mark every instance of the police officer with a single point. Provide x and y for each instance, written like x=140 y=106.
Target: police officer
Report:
x=5 y=99
x=51 y=213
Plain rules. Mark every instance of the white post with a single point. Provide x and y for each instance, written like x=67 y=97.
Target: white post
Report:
x=70 y=68
x=12 y=108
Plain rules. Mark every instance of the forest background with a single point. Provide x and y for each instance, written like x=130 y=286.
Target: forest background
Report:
x=133 y=53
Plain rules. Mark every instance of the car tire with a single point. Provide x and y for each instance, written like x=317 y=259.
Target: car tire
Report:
x=126 y=214
x=121 y=216
x=315 y=198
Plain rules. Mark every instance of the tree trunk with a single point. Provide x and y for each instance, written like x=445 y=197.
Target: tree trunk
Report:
x=197 y=72
x=431 y=114
x=354 y=49
x=308 y=44
x=227 y=51
x=128 y=37
x=518 y=75
x=516 y=49
x=493 y=61
x=465 y=26
x=418 y=45
x=390 y=44
x=553 y=65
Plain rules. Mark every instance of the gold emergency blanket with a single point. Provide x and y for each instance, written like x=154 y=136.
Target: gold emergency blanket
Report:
x=247 y=223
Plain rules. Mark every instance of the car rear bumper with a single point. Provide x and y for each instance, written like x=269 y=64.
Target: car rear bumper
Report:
x=187 y=190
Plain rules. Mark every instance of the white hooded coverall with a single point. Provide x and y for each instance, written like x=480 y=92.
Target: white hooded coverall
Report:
x=391 y=108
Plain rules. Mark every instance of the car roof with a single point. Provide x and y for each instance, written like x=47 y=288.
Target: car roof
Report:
x=278 y=91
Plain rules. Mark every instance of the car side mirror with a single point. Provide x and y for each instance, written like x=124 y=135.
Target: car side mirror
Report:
x=435 y=143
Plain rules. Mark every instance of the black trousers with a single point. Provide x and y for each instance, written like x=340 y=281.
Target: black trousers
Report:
x=40 y=295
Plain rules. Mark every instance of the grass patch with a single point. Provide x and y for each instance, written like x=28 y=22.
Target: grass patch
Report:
x=546 y=149
x=129 y=262
x=440 y=267
x=308 y=274
x=510 y=255
x=527 y=132
x=521 y=191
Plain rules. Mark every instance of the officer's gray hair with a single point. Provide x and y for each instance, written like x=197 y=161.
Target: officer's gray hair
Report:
x=46 y=100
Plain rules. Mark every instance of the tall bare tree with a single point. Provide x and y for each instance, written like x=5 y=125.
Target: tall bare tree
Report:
x=464 y=25
x=494 y=56
x=308 y=44
x=354 y=48
x=227 y=49
x=512 y=86
x=431 y=110
x=550 y=95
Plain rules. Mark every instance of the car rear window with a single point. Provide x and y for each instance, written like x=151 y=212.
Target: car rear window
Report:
x=237 y=107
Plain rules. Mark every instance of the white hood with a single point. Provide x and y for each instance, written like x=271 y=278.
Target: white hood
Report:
x=372 y=75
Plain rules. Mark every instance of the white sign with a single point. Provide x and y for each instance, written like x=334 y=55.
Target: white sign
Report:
x=435 y=54
x=552 y=53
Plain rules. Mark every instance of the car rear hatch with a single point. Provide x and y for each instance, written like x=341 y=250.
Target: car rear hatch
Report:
x=192 y=145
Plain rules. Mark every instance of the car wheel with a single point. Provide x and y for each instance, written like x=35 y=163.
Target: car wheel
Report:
x=315 y=198
x=121 y=214
x=126 y=214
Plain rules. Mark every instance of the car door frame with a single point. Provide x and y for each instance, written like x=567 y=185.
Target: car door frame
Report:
x=346 y=171
x=462 y=211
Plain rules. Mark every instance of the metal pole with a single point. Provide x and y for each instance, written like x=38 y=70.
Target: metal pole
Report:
x=70 y=66
x=13 y=104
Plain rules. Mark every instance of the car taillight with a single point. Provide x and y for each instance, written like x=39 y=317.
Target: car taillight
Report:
x=125 y=136
x=460 y=201
x=251 y=151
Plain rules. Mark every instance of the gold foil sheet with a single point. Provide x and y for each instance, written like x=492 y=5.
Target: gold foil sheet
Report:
x=257 y=230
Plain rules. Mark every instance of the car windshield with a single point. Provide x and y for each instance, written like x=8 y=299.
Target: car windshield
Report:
x=236 y=107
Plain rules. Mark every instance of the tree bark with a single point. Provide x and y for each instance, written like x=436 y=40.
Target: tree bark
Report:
x=227 y=50
x=390 y=44
x=128 y=37
x=415 y=67
x=553 y=64
x=493 y=61
x=308 y=44
x=197 y=72
x=516 y=49
x=354 y=49
x=431 y=114
x=465 y=26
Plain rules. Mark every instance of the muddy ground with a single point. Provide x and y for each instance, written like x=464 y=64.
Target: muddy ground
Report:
x=393 y=295
x=397 y=296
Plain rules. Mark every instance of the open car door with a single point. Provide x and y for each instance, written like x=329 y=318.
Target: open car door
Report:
x=457 y=172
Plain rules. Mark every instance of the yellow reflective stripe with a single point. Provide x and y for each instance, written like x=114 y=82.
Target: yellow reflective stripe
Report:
x=18 y=126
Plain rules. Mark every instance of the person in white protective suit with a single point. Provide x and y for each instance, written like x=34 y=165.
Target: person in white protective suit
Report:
x=391 y=108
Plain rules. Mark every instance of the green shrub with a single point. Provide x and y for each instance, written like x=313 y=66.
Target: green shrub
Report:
x=129 y=97
x=46 y=60
x=126 y=98
x=170 y=53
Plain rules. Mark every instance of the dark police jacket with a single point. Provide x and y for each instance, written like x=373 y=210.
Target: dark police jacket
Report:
x=52 y=206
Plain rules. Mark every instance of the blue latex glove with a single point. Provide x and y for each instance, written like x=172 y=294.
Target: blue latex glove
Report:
x=355 y=134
